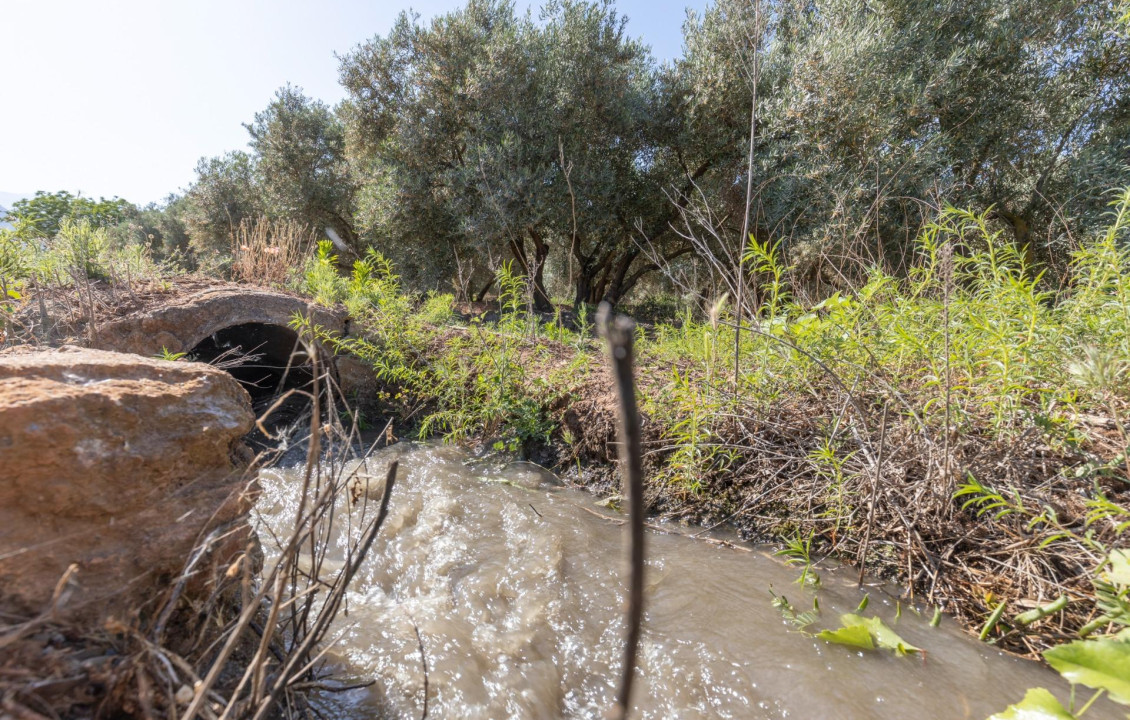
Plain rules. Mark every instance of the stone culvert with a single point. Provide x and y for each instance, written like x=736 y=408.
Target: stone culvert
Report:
x=220 y=323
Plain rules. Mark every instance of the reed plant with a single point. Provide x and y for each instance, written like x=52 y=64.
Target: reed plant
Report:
x=271 y=253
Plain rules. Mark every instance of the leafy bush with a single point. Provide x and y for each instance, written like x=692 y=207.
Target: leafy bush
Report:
x=321 y=279
x=472 y=381
x=975 y=333
x=437 y=308
x=80 y=252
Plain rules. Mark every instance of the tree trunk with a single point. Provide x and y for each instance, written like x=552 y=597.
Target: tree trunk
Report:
x=582 y=294
x=585 y=287
x=486 y=288
x=542 y=303
x=1021 y=233
x=616 y=288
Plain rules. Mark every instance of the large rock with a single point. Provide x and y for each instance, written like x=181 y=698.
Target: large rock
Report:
x=117 y=463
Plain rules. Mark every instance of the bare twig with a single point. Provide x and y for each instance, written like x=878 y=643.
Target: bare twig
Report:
x=619 y=332
x=874 y=495
x=424 y=666
x=739 y=299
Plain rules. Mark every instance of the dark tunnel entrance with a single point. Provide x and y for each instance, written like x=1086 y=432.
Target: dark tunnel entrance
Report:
x=267 y=360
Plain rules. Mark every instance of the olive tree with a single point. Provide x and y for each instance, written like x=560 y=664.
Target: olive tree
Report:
x=486 y=135
x=873 y=114
x=224 y=195
x=299 y=149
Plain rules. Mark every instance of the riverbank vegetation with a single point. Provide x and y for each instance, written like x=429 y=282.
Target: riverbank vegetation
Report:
x=961 y=429
x=879 y=252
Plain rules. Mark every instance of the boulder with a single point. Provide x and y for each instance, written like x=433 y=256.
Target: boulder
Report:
x=119 y=464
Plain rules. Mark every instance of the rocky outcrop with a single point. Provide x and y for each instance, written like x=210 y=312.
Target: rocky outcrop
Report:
x=119 y=464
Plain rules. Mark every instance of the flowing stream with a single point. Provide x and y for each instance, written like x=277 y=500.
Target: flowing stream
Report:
x=516 y=586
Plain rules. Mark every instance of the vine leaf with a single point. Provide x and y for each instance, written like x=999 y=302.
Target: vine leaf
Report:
x=1098 y=664
x=1038 y=704
x=852 y=635
x=867 y=633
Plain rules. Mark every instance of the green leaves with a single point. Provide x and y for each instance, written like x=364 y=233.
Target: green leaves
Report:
x=225 y=193
x=796 y=618
x=166 y=354
x=1038 y=704
x=1100 y=664
x=46 y=211
x=1119 y=571
x=850 y=634
x=867 y=633
x=1041 y=612
x=988 y=500
x=994 y=619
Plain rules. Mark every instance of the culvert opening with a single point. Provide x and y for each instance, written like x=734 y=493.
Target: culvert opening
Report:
x=267 y=360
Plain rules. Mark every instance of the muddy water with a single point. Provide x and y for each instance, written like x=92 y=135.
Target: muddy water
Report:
x=515 y=585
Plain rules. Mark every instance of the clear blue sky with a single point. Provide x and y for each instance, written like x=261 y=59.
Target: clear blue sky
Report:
x=122 y=97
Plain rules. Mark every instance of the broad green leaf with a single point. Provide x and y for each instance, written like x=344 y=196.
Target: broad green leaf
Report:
x=1038 y=704
x=853 y=635
x=867 y=633
x=1099 y=664
x=14 y=295
x=1119 y=572
x=889 y=639
x=884 y=636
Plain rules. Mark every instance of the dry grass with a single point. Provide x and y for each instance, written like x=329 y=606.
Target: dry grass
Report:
x=775 y=487
x=270 y=253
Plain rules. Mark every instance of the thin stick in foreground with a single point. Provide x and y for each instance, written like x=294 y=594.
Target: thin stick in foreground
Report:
x=874 y=497
x=619 y=332
x=424 y=665
x=331 y=604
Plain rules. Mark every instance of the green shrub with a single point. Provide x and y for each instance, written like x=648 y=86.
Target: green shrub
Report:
x=322 y=280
